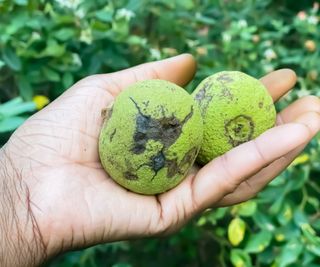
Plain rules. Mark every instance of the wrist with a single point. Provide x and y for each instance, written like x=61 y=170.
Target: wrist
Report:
x=21 y=242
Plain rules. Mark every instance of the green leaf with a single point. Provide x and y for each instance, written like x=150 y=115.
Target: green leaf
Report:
x=53 y=49
x=258 y=242
x=105 y=15
x=300 y=217
x=67 y=80
x=236 y=231
x=240 y=258
x=287 y=232
x=290 y=253
x=310 y=234
x=246 y=209
x=187 y=4
x=277 y=205
x=301 y=175
x=10 y=104
x=111 y=58
x=136 y=40
x=11 y=58
x=120 y=28
x=314 y=202
x=64 y=34
x=201 y=221
x=308 y=257
x=10 y=124
x=122 y=265
x=285 y=215
x=25 y=88
x=19 y=109
x=314 y=249
x=21 y=2
x=2 y=63
x=51 y=75
x=266 y=257
x=278 y=181
x=316 y=224
x=263 y=221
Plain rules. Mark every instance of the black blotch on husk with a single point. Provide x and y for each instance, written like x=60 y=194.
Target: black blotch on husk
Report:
x=166 y=130
x=239 y=129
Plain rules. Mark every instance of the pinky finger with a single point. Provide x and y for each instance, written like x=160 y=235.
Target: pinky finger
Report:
x=224 y=174
x=250 y=187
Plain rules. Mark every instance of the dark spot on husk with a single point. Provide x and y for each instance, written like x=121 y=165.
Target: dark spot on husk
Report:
x=106 y=113
x=112 y=134
x=166 y=129
x=180 y=168
x=225 y=78
x=158 y=161
x=203 y=98
x=163 y=112
x=146 y=103
x=239 y=130
x=188 y=159
x=173 y=167
x=130 y=176
x=225 y=92
x=260 y=104
x=269 y=107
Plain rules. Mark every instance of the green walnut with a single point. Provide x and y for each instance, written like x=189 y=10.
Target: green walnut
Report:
x=151 y=136
x=235 y=108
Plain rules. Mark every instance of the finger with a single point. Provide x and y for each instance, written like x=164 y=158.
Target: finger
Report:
x=301 y=106
x=279 y=82
x=222 y=175
x=179 y=70
x=256 y=183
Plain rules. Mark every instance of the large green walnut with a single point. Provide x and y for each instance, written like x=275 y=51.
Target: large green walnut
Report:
x=151 y=136
x=235 y=108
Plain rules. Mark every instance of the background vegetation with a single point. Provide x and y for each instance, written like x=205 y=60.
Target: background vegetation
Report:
x=45 y=46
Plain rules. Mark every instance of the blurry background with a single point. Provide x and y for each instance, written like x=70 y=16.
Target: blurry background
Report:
x=45 y=46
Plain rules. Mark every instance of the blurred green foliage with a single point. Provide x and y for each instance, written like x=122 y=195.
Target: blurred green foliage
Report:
x=45 y=46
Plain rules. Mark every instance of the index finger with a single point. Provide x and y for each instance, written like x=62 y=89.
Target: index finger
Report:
x=279 y=82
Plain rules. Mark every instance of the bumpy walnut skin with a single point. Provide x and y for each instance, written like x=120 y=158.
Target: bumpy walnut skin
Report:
x=235 y=108
x=151 y=137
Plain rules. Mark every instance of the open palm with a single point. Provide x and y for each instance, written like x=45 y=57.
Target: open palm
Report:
x=76 y=204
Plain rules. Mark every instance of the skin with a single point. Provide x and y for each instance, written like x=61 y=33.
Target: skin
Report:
x=51 y=165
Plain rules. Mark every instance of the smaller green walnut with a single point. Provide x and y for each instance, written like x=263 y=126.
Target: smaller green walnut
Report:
x=235 y=108
x=151 y=137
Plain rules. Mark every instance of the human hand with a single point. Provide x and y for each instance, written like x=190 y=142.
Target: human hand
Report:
x=63 y=199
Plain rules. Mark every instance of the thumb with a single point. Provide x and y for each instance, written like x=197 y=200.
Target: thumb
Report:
x=95 y=92
x=179 y=70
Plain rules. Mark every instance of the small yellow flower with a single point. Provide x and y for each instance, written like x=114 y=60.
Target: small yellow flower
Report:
x=86 y=36
x=310 y=45
x=270 y=54
x=203 y=31
x=170 y=51
x=313 y=75
x=302 y=15
x=255 y=38
x=40 y=101
x=202 y=51
x=280 y=237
